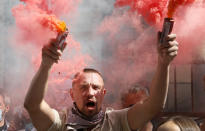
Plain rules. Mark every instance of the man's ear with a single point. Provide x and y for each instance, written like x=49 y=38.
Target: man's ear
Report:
x=7 y=108
x=71 y=93
x=104 y=91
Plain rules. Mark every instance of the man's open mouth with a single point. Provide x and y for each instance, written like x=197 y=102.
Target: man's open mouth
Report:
x=91 y=104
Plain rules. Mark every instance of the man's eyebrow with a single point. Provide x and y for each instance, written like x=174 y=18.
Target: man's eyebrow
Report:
x=97 y=85
x=84 y=83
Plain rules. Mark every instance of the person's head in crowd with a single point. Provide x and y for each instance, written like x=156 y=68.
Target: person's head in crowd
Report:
x=88 y=91
x=4 y=106
x=179 y=123
x=201 y=123
x=136 y=94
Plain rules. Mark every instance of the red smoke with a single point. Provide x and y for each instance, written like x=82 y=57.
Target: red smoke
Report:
x=132 y=42
x=32 y=18
x=186 y=13
x=36 y=23
x=174 y=4
x=151 y=10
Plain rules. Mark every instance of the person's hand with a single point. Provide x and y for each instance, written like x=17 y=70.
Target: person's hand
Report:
x=168 y=50
x=51 y=53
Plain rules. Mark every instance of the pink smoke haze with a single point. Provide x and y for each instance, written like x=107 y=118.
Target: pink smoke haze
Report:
x=68 y=68
x=112 y=25
x=130 y=36
x=174 y=4
x=31 y=34
x=187 y=23
x=30 y=29
x=152 y=11
x=134 y=52
x=30 y=15
x=191 y=31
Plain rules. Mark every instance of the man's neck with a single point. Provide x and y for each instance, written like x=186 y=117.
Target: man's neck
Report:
x=2 y=123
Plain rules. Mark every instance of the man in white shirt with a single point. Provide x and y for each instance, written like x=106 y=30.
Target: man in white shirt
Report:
x=88 y=92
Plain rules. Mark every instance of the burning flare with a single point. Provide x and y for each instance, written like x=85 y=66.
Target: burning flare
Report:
x=53 y=23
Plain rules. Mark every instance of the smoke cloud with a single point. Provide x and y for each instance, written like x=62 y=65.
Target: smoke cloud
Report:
x=118 y=38
x=130 y=35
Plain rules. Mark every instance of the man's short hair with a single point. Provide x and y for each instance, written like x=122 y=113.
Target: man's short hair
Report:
x=85 y=70
x=6 y=98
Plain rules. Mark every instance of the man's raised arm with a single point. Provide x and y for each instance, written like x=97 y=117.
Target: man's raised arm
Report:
x=139 y=114
x=40 y=112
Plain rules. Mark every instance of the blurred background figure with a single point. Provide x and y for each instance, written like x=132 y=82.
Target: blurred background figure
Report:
x=136 y=94
x=22 y=119
x=5 y=125
x=202 y=125
x=179 y=123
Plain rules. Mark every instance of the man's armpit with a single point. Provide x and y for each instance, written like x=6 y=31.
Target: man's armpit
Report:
x=57 y=124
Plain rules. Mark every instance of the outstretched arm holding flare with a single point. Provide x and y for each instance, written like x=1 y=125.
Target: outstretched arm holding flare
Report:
x=139 y=114
x=41 y=113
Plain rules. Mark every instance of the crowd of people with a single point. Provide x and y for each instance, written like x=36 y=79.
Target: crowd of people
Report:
x=18 y=119
x=139 y=105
